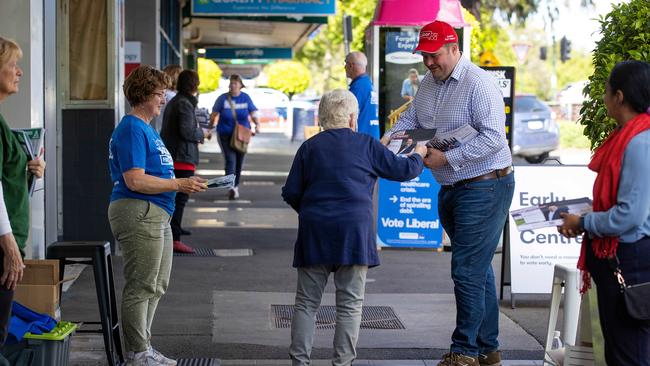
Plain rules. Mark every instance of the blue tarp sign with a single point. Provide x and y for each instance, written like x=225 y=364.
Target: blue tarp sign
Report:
x=263 y=7
x=229 y=53
x=408 y=213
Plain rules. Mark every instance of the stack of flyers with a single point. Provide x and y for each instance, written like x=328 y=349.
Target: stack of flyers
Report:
x=227 y=181
x=31 y=140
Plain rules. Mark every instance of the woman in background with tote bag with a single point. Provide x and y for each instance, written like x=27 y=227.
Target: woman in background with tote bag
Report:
x=232 y=113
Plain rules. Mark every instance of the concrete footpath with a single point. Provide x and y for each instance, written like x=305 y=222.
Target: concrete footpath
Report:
x=225 y=308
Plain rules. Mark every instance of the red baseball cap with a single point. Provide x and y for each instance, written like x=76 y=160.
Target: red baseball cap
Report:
x=435 y=35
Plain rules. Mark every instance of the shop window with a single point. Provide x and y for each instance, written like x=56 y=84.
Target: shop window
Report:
x=87 y=31
x=170 y=32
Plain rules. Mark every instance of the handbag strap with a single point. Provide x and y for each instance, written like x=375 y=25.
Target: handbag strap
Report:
x=614 y=265
x=232 y=108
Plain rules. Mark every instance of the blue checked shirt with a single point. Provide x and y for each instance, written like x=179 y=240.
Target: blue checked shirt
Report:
x=469 y=96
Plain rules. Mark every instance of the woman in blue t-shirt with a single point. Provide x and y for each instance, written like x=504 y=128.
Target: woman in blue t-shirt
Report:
x=142 y=201
x=230 y=106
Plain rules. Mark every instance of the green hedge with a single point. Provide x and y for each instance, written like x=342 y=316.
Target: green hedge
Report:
x=626 y=36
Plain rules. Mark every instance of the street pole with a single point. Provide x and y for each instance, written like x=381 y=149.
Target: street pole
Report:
x=554 y=67
x=347 y=32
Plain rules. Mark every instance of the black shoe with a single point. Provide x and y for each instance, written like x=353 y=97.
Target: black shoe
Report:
x=185 y=232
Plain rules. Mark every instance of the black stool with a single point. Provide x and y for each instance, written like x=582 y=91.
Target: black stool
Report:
x=99 y=253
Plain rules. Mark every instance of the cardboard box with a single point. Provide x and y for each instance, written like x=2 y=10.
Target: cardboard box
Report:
x=39 y=289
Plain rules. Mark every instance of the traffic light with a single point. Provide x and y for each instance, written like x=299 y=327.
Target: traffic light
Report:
x=565 y=49
x=542 y=53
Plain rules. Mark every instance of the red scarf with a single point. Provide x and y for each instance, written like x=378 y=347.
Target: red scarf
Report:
x=606 y=162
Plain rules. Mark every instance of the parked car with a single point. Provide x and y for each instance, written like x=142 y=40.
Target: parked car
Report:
x=535 y=131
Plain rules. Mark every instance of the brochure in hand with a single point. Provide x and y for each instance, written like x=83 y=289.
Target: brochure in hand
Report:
x=31 y=140
x=403 y=142
x=548 y=214
x=227 y=181
x=446 y=141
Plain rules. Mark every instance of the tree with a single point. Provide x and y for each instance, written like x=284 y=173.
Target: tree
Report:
x=290 y=77
x=209 y=75
x=626 y=36
x=323 y=53
x=518 y=10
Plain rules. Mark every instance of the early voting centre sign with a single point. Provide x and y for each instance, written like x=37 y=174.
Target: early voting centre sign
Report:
x=534 y=253
x=408 y=213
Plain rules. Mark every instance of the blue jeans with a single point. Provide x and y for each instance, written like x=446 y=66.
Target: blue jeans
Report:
x=473 y=215
x=234 y=160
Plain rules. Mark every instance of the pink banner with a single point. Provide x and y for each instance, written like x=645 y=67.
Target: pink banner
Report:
x=418 y=12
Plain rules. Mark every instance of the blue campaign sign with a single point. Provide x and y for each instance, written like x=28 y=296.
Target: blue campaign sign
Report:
x=400 y=46
x=403 y=41
x=229 y=53
x=408 y=213
x=264 y=7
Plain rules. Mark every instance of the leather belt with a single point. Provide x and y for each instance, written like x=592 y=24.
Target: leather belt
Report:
x=498 y=173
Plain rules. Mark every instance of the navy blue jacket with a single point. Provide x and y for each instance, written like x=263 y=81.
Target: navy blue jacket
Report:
x=330 y=185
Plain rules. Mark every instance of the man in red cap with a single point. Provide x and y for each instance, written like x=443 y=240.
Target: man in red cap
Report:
x=477 y=183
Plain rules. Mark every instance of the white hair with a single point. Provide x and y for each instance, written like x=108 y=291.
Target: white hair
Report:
x=358 y=58
x=335 y=109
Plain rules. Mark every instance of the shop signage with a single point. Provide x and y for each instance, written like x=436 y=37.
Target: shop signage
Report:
x=229 y=53
x=505 y=76
x=264 y=7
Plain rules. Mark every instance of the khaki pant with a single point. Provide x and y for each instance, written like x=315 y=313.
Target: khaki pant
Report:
x=350 y=282
x=144 y=234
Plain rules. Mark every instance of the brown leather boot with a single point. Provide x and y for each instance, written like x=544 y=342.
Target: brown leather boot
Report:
x=490 y=359
x=456 y=359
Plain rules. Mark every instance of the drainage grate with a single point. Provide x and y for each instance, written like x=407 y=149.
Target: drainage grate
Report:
x=198 y=252
x=372 y=317
x=208 y=252
x=198 y=362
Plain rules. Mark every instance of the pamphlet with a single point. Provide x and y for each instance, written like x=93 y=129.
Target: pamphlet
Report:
x=446 y=141
x=548 y=214
x=31 y=140
x=404 y=142
x=227 y=181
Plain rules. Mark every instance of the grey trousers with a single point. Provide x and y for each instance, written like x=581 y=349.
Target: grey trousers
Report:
x=143 y=230
x=350 y=282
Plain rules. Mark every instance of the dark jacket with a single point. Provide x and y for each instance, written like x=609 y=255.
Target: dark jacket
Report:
x=180 y=131
x=330 y=185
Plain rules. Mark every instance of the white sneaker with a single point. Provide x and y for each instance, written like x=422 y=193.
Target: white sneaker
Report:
x=233 y=194
x=142 y=359
x=159 y=357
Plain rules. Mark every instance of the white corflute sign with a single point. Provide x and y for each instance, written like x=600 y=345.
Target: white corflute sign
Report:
x=534 y=253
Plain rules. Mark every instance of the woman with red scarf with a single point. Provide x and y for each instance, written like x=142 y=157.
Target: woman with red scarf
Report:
x=620 y=223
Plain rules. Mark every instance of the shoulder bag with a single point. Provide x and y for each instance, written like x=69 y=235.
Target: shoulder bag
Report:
x=241 y=135
x=635 y=296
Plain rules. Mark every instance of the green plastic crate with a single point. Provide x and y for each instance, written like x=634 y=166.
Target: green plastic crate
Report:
x=53 y=348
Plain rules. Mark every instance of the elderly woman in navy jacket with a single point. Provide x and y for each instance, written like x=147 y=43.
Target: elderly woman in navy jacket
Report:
x=330 y=185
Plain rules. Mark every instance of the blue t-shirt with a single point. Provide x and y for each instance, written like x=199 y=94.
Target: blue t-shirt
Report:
x=243 y=106
x=367 y=122
x=135 y=144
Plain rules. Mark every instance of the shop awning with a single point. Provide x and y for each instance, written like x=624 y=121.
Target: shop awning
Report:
x=418 y=12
